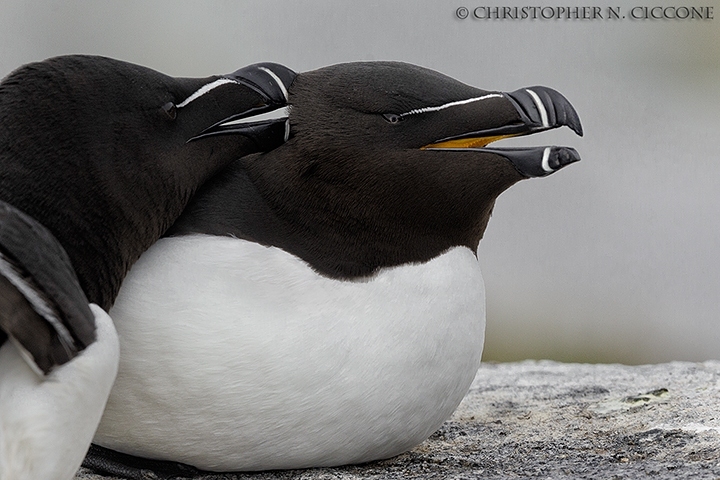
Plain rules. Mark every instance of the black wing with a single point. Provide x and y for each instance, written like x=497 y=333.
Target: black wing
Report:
x=42 y=306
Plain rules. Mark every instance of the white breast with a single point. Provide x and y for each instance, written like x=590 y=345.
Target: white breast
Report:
x=47 y=422
x=237 y=356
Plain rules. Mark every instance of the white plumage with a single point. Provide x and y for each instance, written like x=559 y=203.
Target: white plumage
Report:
x=47 y=422
x=253 y=361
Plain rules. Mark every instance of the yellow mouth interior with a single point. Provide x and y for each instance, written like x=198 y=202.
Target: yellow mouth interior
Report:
x=477 y=142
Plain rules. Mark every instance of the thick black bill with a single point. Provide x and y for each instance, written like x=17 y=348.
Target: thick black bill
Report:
x=271 y=81
x=530 y=161
x=537 y=161
x=539 y=109
x=542 y=108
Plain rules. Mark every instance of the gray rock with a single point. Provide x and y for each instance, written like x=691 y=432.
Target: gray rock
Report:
x=561 y=421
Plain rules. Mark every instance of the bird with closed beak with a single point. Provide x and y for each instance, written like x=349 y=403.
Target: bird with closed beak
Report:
x=98 y=158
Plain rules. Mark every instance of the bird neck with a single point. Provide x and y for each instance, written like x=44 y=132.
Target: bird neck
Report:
x=348 y=223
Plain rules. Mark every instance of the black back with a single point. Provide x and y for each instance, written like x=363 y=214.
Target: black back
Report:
x=88 y=149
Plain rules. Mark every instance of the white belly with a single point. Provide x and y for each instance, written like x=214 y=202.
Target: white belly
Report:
x=236 y=356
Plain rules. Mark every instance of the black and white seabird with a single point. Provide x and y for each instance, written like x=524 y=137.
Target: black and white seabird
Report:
x=98 y=158
x=322 y=304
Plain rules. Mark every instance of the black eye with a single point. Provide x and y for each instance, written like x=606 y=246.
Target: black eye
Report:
x=392 y=118
x=170 y=110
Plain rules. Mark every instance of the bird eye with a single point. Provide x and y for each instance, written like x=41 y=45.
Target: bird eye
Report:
x=170 y=110
x=392 y=118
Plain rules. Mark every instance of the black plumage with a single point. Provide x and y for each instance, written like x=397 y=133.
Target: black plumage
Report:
x=105 y=155
x=364 y=181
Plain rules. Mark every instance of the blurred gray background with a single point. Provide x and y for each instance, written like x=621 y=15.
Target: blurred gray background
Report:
x=614 y=259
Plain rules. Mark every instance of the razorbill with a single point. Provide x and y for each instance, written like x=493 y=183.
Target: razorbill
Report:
x=321 y=304
x=98 y=158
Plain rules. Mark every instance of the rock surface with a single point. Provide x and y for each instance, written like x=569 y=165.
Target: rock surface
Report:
x=561 y=421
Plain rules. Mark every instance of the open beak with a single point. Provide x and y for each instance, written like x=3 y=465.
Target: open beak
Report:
x=539 y=109
x=267 y=121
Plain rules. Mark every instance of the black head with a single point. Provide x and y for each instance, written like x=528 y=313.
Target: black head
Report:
x=386 y=164
x=106 y=154
x=393 y=106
